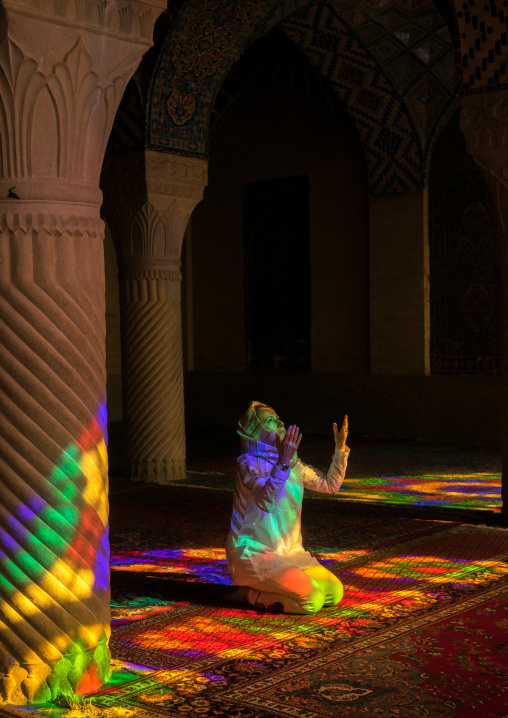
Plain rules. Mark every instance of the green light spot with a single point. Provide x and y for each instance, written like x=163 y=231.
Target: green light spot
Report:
x=31 y=566
x=55 y=542
x=69 y=492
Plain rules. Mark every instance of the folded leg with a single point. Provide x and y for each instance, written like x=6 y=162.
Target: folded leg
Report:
x=295 y=591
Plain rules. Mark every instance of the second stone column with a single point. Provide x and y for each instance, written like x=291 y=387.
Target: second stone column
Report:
x=149 y=197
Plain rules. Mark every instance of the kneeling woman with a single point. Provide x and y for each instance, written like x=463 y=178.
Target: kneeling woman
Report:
x=264 y=548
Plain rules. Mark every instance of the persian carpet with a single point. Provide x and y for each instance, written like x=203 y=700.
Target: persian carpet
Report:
x=422 y=631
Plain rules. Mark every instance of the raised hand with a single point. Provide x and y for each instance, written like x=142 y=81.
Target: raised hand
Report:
x=341 y=436
x=288 y=446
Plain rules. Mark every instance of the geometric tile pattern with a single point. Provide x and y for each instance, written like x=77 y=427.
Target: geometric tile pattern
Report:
x=390 y=141
x=412 y=45
x=396 y=73
x=408 y=41
x=483 y=32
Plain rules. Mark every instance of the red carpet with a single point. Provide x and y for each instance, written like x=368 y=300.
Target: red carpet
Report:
x=422 y=631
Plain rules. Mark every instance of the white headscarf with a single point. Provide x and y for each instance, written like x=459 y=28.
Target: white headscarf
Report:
x=249 y=428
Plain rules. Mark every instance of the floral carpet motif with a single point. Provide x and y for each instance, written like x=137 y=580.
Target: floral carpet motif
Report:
x=453 y=666
x=421 y=631
x=393 y=647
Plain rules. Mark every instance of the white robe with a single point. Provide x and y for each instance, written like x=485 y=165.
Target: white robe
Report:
x=265 y=538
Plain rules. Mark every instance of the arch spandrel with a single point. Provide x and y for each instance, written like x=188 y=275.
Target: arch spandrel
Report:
x=406 y=64
x=194 y=59
x=392 y=147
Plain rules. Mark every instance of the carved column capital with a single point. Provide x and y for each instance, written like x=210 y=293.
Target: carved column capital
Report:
x=63 y=69
x=148 y=199
x=131 y=19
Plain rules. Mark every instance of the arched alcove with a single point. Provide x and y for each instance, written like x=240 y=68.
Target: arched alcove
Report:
x=274 y=121
x=464 y=268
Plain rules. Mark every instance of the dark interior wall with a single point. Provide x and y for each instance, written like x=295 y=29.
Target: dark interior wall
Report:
x=280 y=134
x=463 y=409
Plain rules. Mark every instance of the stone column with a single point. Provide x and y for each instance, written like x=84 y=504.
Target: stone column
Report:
x=149 y=197
x=484 y=122
x=63 y=68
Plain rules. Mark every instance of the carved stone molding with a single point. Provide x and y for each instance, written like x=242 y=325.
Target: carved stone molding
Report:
x=152 y=273
x=35 y=224
x=150 y=173
x=116 y=18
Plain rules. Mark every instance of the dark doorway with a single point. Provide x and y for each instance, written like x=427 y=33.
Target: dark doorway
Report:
x=277 y=274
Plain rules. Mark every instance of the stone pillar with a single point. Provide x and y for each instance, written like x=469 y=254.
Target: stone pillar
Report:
x=63 y=68
x=149 y=197
x=484 y=122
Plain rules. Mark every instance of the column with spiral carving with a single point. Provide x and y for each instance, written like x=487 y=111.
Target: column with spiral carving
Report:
x=484 y=122
x=63 y=68
x=149 y=197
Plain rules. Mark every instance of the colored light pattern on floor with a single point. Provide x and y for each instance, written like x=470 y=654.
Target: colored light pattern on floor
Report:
x=455 y=491
x=200 y=565
x=194 y=565
x=54 y=557
x=395 y=584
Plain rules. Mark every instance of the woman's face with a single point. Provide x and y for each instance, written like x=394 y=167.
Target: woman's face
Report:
x=271 y=426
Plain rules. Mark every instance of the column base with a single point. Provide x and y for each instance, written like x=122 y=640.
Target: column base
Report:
x=158 y=471
x=79 y=672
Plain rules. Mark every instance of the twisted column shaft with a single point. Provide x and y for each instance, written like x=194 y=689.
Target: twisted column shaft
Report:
x=54 y=589
x=149 y=198
x=62 y=74
x=484 y=121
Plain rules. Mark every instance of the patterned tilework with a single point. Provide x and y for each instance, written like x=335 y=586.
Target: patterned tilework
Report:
x=483 y=33
x=413 y=47
x=390 y=62
x=392 y=147
x=208 y=37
